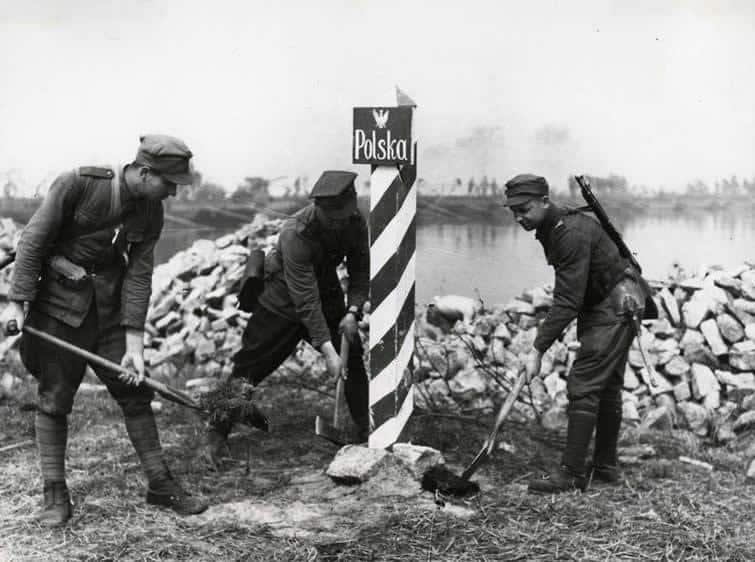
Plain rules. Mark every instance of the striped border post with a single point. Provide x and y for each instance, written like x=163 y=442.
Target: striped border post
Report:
x=393 y=206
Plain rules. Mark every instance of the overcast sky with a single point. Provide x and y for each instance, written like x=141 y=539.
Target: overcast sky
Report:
x=659 y=91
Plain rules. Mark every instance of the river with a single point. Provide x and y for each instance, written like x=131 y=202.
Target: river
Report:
x=500 y=261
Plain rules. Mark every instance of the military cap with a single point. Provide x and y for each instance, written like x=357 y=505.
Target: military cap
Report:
x=524 y=187
x=334 y=191
x=167 y=156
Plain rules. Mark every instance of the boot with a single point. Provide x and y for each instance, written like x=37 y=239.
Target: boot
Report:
x=57 y=508
x=166 y=492
x=560 y=480
x=605 y=463
x=570 y=475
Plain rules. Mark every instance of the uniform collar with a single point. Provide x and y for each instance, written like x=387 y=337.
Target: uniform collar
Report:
x=552 y=215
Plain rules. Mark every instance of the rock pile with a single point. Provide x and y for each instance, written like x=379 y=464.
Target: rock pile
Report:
x=9 y=235
x=701 y=351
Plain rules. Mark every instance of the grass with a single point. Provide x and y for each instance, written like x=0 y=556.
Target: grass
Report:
x=664 y=510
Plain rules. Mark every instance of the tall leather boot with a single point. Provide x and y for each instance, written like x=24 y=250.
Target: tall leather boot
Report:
x=58 y=508
x=571 y=474
x=605 y=463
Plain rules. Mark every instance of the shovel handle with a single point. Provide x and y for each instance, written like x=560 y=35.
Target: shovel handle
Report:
x=338 y=407
x=165 y=390
x=505 y=409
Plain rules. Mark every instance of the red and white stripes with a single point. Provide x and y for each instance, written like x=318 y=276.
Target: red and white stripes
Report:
x=393 y=206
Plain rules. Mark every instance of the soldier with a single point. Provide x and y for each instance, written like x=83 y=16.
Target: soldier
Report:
x=84 y=272
x=303 y=299
x=599 y=288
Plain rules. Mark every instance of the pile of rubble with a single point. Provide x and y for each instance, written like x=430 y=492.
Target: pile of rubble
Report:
x=9 y=235
x=701 y=351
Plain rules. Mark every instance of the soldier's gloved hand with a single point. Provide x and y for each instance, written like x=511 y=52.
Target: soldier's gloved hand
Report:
x=332 y=359
x=134 y=362
x=534 y=362
x=12 y=318
x=348 y=326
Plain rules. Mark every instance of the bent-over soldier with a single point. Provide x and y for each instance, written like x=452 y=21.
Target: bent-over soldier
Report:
x=602 y=290
x=302 y=298
x=84 y=272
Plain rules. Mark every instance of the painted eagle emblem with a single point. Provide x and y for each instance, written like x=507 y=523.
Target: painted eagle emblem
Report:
x=381 y=117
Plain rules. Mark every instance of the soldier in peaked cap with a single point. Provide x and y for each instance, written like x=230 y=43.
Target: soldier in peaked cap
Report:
x=601 y=289
x=302 y=298
x=84 y=272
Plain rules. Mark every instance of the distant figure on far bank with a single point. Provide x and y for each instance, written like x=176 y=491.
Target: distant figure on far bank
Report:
x=602 y=290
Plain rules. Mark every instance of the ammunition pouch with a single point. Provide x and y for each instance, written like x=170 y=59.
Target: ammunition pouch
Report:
x=67 y=273
x=632 y=296
x=253 y=281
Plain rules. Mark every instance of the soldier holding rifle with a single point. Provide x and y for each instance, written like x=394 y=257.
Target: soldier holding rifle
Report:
x=603 y=289
x=84 y=272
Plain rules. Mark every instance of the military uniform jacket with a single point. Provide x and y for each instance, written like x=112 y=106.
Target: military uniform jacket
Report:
x=587 y=264
x=83 y=219
x=300 y=272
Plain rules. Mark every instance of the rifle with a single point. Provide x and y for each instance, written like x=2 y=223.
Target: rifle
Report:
x=651 y=309
x=600 y=213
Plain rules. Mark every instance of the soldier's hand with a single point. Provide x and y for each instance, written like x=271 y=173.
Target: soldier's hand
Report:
x=134 y=362
x=332 y=359
x=12 y=318
x=534 y=362
x=348 y=326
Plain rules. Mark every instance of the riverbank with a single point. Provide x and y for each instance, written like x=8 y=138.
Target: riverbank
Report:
x=682 y=493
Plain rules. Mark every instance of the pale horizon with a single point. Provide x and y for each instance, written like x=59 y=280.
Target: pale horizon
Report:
x=658 y=92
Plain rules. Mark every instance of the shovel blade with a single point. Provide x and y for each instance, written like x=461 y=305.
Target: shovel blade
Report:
x=326 y=431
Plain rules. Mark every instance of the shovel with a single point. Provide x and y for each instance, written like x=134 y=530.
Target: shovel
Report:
x=335 y=432
x=443 y=480
x=170 y=393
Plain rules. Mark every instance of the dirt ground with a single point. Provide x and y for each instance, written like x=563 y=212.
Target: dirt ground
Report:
x=273 y=501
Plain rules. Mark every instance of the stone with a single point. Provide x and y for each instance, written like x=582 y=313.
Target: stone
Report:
x=691 y=337
x=635 y=359
x=682 y=391
x=730 y=328
x=725 y=433
x=555 y=418
x=695 y=311
x=730 y=284
x=671 y=306
x=701 y=354
x=156 y=406
x=91 y=388
x=750 y=331
x=744 y=422
x=502 y=333
x=659 y=417
x=438 y=396
x=748 y=284
x=677 y=366
x=204 y=350
x=629 y=413
x=554 y=384
x=631 y=382
x=170 y=319
x=736 y=380
x=417 y=458
x=518 y=306
x=662 y=328
x=522 y=341
x=748 y=403
x=694 y=416
x=709 y=328
x=201 y=382
x=656 y=382
x=744 y=305
x=467 y=384
x=457 y=307
x=355 y=464
x=526 y=322
x=542 y=299
x=742 y=355
x=750 y=472
x=702 y=381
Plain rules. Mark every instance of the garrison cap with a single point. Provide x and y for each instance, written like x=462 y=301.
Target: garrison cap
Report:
x=524 y=187
x=167 y=156
x=334 y=191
